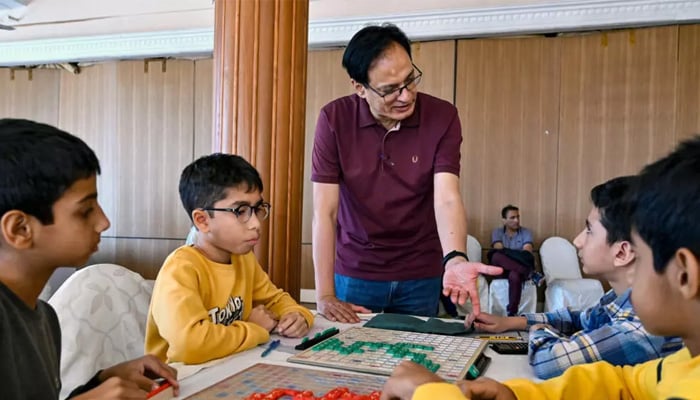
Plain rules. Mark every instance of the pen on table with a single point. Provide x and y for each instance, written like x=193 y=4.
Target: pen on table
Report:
x=163 y=386
x=273 y=345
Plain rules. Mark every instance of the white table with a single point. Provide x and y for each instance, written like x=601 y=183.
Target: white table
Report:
x=502 y=367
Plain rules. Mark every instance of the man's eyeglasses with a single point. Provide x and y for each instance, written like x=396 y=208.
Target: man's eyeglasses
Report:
x=245 y=211
x=393 y=94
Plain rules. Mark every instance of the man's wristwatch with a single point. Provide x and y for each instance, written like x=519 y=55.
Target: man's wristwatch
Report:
x=451 y=255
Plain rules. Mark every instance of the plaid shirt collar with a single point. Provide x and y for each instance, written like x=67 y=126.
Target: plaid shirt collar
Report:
x=618 y=306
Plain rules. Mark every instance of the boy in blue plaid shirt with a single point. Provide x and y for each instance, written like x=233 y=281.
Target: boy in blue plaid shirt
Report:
x=610 y=330
x=665 y=291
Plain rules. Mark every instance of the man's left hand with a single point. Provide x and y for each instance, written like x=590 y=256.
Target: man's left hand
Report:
x=459 y=281
x=143 y=371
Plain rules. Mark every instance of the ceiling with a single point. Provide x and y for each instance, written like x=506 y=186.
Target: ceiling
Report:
x=10 y=12
x=50 y=31
x=41 y=19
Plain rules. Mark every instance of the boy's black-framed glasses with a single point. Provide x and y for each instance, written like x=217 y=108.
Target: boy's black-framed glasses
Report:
x=393 y=94
x=245 y=211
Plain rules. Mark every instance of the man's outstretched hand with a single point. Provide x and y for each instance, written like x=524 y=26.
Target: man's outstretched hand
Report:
x=459 y=281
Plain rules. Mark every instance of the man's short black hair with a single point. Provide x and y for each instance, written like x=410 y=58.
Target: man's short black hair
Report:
x=38 y=162
x=206 y=180
x=668 y=203
x=615 y=207
x=367 y=45
x=509 y=207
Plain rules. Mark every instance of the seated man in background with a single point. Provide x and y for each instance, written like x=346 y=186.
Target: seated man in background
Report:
x=512 y=250
x=665 y=292
x=213 y=299
x=610 y=330
x=50 y=217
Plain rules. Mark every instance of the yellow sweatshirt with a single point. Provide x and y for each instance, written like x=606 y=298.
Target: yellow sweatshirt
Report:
x=199 y=308
x=674 y=377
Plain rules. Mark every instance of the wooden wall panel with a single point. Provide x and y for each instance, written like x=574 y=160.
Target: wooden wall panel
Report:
x=35 y=98
x=155 y=126
x=437 y=61
x=618 y=99
x=507 y=96
x=203 y=107
x=307 y=263
x=144 y=256
x=130 y=118
x=688 y=112
x=326 y=80
x=89 y=110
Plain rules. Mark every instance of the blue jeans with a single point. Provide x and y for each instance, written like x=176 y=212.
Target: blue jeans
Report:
x=415 y=297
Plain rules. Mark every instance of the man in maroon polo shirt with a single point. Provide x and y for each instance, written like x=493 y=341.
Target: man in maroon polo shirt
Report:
x=388 y=214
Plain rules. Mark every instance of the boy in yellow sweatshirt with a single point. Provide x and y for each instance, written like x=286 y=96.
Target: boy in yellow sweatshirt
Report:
x=665 y=294
x=213 y=299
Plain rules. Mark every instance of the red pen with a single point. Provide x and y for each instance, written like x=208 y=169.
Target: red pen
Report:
x=162 y=392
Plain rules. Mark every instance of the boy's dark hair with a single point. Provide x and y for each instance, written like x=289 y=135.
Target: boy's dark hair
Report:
x=509 y=207
x=206 y=180
x=367 y=45
x=668 y=203
x=38 y=162
x=615 y=207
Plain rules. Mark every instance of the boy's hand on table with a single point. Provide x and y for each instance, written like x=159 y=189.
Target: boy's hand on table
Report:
x=485 y=389
x=293 y=324
x=260 y=315
x=496 y=324
x=133 y=379
x=114 y=388
x=406 y=377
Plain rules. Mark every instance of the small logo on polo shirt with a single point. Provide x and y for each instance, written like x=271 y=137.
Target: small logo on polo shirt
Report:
x=414 y=159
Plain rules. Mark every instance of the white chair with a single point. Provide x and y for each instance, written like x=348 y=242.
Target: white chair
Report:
x=559 y=259
x=474 y=254
x=498 y=297
x=55 y=281
x=565 y=285
x=102 y=311
x=191 y=236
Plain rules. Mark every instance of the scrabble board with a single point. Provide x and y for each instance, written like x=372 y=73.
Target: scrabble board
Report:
x=263 y=378
x=379 y=351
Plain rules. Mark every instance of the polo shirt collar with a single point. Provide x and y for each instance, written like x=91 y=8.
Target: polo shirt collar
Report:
x=516 y=232
x=365 y=117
